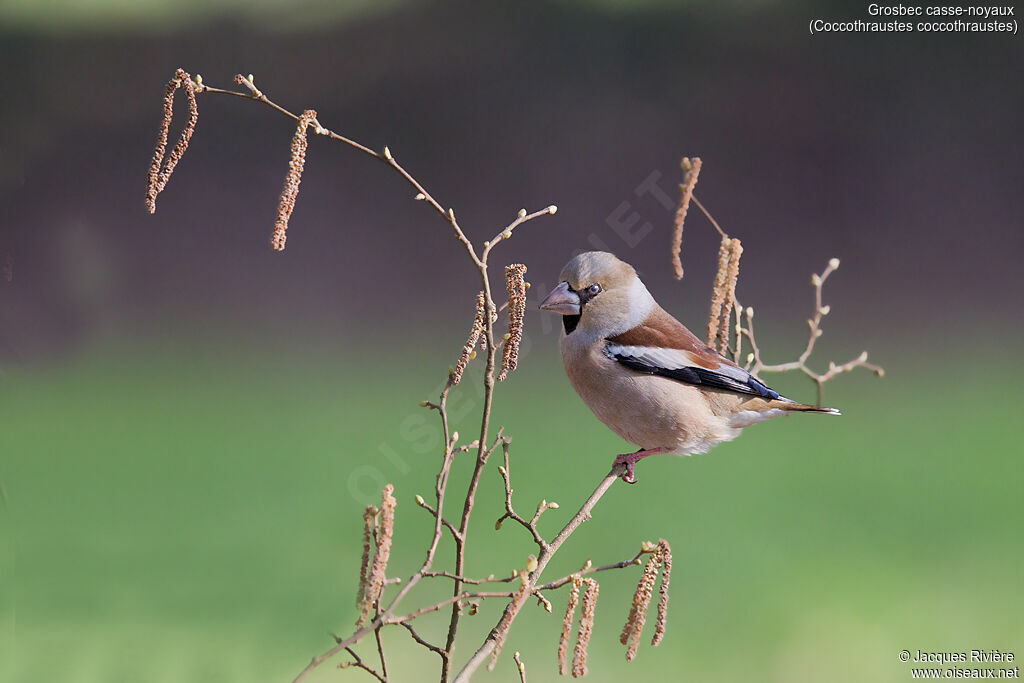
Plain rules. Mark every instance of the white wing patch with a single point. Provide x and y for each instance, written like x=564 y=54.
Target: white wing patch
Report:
x=679 y=364
x=674 y=359
x=670 y=359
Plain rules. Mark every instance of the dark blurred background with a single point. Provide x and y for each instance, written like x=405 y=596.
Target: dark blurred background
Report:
x=899 y=154
x=162 y=372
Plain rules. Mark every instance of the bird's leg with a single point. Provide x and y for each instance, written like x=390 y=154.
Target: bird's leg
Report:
x=630 y=460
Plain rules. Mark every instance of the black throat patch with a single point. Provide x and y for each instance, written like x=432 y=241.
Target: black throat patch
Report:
x=569 y=322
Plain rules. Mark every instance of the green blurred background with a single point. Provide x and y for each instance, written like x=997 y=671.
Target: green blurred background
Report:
x=191 y=424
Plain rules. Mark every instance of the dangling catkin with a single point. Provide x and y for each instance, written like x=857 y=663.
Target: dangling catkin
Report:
x=718 y=291
x=570 y=614
x=153 y=186
x=666 y=575
x=475 y=333
x=159 y=170
x=516 y=285
x=290 y=191
x=691 y=167
x=731 y=276
x=579 y=659
x=369 y=525
x=385 y=531
x=638 y=611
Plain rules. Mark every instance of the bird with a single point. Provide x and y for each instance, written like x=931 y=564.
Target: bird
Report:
x=644 y=374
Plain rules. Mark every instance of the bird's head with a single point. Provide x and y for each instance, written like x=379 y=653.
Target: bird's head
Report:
x=600 y=294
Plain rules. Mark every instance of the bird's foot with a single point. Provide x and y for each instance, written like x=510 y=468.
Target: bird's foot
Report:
x=630 y=460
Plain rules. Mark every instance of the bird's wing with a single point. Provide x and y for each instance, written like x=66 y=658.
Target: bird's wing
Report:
x=662 y=345
x=678 y=365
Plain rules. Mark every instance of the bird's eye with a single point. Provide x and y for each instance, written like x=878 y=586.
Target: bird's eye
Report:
x=593 y=289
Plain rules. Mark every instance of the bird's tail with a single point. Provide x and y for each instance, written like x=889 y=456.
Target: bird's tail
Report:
x=794 y=407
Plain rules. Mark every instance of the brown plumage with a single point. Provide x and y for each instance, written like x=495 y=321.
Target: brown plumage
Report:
x=661 y=329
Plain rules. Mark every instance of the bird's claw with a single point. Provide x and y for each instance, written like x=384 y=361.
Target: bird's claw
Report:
x=629 y=460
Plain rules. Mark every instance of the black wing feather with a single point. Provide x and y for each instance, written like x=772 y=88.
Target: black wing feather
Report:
x=698 y=375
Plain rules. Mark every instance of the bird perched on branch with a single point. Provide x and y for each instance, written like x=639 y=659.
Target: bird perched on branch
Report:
x=646 y=376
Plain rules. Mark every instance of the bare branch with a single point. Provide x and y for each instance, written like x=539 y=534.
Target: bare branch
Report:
x=590 y=569
x=582 y=515
x=723 y=302
x=384 y=156
x=755 y=364
x=521 y=218
x=380 y=653
x=421 y=641
x=510 y=512
x=360 y=664
x=426 y=506
x=709 y=216
x=476 y=582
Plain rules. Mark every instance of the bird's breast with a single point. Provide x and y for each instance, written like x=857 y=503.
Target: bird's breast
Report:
x=649 y=411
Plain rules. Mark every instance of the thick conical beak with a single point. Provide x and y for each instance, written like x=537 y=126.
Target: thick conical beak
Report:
x=562 y=300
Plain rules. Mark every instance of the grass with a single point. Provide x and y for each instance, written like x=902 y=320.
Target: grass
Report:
x=174 y=518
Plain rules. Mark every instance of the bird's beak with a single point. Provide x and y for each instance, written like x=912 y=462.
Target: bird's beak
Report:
x=562 y=300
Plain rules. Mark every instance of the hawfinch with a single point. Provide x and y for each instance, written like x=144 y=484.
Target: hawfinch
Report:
x=643 y=373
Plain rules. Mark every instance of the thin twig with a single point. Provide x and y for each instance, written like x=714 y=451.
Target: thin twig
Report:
x=523 y=217
x=464 y=595
x=380 y=648
x=385 y=156
x=755 y=364
x=510 y=513
x=582 y=515
x=359 y=663
x=448 y=525
x=520 y=666
x=558 y=583
x=421 y=641
x=475 y=582
x=386 y=616
x=722 y=328
x=709 y=216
